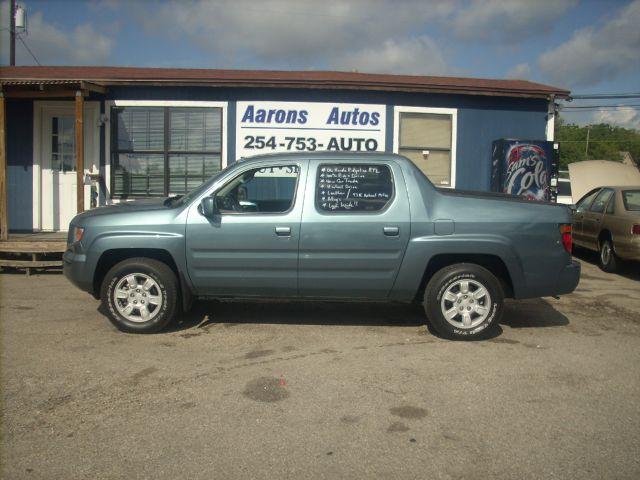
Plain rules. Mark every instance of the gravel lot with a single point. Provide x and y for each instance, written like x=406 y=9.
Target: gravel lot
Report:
x=308 y=390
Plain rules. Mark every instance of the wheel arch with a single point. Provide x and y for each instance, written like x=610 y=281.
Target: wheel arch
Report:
x=493 y=263
x=605 y=234
x=111 y=257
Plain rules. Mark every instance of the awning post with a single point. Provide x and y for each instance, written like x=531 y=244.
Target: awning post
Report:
x=4 y=216
x=80 y=151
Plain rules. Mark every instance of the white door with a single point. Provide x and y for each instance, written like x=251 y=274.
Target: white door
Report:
x=58 y=197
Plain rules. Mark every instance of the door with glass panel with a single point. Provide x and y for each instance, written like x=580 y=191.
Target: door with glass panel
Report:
x=58 y=194
x=427 y=139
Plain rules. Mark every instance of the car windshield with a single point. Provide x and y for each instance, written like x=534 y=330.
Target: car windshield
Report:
x=631 y=200
x=182 y=199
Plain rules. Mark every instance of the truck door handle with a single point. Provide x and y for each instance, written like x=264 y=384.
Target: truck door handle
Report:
x=391 y=231
x=283 y=231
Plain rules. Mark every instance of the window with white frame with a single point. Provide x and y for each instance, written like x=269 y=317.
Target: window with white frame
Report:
x=163 y=150
x=426 y=137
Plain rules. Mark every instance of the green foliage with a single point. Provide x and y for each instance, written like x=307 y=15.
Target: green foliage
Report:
x=605 y=142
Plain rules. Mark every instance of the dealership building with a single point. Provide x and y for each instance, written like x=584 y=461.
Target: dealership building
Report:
x=72 y=138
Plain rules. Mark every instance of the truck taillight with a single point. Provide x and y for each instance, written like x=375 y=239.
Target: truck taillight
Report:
x=635 y=230
x=567 y=239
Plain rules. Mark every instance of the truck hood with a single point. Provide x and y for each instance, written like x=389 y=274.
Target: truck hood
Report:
x=142 y=205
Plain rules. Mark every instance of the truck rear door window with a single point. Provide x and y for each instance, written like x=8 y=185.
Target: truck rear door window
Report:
x=353 y=187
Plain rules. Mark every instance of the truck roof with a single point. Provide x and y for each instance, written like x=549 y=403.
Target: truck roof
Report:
x=324 y=155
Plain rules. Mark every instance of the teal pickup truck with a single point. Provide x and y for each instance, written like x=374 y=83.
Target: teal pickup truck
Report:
x=323 y=226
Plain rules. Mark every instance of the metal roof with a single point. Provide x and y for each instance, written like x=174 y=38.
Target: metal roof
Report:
x=20 y=82
x=108 y=76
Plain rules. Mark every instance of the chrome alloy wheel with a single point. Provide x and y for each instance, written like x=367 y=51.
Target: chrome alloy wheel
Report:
x=605 y=253
x=137 y=297
x=466 y=304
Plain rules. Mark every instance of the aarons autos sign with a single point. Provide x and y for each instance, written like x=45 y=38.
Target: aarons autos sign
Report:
x=269 y=127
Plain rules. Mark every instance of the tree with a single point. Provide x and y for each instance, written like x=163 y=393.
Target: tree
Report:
x=605 y=142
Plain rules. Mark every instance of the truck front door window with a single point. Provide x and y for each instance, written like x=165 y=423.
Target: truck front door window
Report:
x=260 y=190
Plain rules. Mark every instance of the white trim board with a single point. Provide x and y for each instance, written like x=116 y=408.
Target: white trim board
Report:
x=551 y=120
x=397 y=110
x=156 y=103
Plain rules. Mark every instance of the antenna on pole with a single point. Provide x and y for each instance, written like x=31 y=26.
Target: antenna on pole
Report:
x=20 y=19
x=17 y=25
x=12 y=33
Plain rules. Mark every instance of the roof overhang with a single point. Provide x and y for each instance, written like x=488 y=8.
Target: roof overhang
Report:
x=48 y=88
x=94 y=78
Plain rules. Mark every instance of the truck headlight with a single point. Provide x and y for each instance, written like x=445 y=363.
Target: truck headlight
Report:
x=78 y=232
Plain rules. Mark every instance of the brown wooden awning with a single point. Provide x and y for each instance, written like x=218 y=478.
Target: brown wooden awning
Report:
x=42 y=88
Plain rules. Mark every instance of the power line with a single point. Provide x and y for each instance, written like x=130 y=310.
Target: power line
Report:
x=605 y=95
x=600 y=107
x=630 y=110
x=597 y=141
x=595 y=110
x=28 y=49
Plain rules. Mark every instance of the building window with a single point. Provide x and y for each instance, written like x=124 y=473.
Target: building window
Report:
x=160 y=151
x=63 y=143
x=427 y=138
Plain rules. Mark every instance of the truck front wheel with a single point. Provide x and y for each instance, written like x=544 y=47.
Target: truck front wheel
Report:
x=463 y=301
x=140 y=295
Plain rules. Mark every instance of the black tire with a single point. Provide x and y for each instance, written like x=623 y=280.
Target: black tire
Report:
x=450 y=277
x=166 y=288
x=607 y=259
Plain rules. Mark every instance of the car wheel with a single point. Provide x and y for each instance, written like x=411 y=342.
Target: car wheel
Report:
x=607 y=260
x=464 y=301
x=140 y=295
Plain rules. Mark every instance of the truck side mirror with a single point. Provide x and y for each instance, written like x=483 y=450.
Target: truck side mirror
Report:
x=208 y=207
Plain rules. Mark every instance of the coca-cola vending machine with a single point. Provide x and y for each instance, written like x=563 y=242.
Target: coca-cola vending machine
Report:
x=525 y=168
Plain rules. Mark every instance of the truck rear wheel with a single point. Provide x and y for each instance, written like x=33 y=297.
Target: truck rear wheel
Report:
x=463 y=301
x=140 y=295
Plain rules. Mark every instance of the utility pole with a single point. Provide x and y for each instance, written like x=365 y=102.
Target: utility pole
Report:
x=586 y=148
x=12 y=33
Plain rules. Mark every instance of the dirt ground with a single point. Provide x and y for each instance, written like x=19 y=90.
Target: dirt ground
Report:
x=309 y=390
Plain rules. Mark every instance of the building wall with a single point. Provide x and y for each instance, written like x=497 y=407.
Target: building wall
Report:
x=19 y=116
x=481 y=120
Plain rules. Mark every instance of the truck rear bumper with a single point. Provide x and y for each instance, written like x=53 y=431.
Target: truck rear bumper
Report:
x=568 y=279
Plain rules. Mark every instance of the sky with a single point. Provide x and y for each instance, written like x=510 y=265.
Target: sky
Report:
x=587 y=46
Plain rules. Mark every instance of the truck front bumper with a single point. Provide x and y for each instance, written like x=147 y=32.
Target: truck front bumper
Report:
x=74 y=266
x=568 y=279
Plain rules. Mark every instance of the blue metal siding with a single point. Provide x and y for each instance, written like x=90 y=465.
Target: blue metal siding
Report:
x=478 y=128
x=231 y=131
x=19 y=116
x=481 y=120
